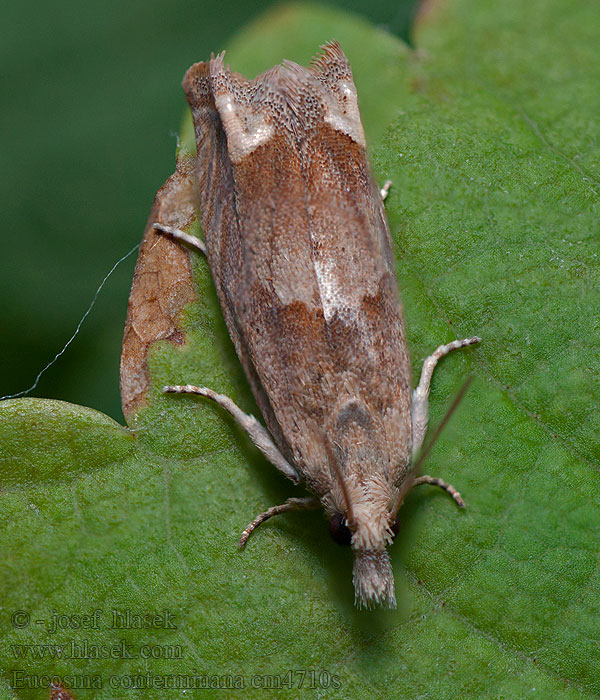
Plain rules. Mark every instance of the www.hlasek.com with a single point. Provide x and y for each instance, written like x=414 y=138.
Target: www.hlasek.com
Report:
x=86 y=649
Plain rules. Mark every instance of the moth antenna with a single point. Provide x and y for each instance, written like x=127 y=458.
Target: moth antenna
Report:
x=340 y=478
x=407 y=485
x=410 y=479
x=431 y=442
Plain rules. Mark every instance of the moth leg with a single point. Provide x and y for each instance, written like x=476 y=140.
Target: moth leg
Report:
x=307 y=503
x=434 y=481
x=259 y=435
x=385 y=189
x=420 y=397
x=178 y=235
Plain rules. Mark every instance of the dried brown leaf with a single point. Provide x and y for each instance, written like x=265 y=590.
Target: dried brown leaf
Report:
x=162 y=285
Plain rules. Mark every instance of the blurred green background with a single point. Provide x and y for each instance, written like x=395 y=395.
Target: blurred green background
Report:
x=92 y=103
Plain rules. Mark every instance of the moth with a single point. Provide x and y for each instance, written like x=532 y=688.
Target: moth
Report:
x=300 y=252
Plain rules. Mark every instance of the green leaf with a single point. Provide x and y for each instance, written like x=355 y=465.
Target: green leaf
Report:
x=489 y=133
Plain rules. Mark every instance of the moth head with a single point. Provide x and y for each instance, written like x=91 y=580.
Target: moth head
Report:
x=373 y=579
x=364 y=517
x=372 y=575
x=342 y=534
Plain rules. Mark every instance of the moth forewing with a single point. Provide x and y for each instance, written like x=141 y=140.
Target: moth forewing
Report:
x=300 y=252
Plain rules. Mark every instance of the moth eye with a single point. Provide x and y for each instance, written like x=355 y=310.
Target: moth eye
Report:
x=339 y=531
x=396 y=526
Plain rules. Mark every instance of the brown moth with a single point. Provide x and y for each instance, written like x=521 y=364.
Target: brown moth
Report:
x=300 y=252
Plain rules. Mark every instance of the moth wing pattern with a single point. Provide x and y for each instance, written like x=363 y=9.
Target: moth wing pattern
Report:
x=310 y=210
x=301 y=255
x=219 y=216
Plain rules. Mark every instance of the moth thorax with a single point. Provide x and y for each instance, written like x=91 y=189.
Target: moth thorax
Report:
x=373 y=579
